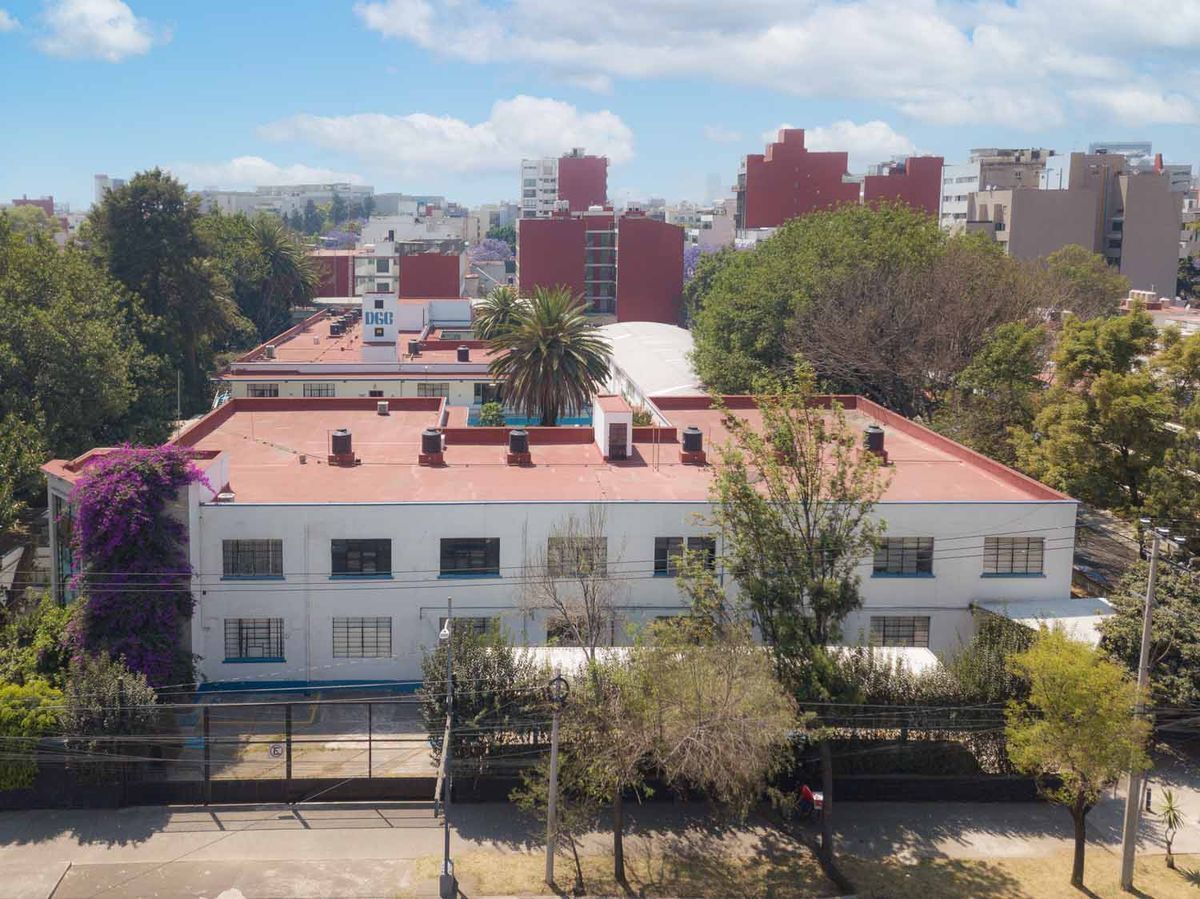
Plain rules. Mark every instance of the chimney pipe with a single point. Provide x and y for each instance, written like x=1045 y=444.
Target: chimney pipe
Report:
x=873 y=439
x=518 y=447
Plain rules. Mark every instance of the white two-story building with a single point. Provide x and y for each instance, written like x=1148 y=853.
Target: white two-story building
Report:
x=339 y=526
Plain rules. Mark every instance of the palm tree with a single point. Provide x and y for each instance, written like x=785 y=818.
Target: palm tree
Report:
x=551 y=358
x=290 y=278
x=496 y=313
x=1173 y=820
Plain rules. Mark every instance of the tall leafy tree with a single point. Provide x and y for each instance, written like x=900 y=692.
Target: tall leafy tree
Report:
x=552 y=359
x=1076 y=733
x=997 y=392
x=1115 y=344
x=71 y=364
x=314 y=218
x=1076 y=280
x=146 y=234
x=506 y=233
x=1187 y=284
x=339 y=210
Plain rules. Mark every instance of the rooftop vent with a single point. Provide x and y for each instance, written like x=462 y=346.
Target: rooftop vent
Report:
x=381 y=407
x=432 y=451
x=226 y=496
x=342 y=448
x=414 y=348
x=518 y=447
x=464 y=354
x=693 y=446
x=873 y=440
x=269 y=351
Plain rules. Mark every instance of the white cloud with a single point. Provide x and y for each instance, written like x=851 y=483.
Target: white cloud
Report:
x=1010 y=62
x=719 y=134
x=868 y=143
x=251 y=171
x=419 y=142
x=96 y=29
x=8 y=22
x=1138 y=106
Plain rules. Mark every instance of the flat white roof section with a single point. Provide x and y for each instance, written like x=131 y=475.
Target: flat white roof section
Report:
x=1079 y=618
x=655 y=357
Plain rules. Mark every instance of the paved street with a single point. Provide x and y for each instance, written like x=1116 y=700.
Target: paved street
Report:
x=369 y=850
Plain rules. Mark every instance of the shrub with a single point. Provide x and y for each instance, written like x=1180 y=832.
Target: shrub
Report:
x=27 y=712
x=105 y=702
x=33 y=644
x=491 y=415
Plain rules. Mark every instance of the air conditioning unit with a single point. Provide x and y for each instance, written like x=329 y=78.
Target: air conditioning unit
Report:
x=269 y=351
x=381 y=407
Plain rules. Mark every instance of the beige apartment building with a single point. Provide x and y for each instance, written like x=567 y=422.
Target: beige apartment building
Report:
x=1132 y=219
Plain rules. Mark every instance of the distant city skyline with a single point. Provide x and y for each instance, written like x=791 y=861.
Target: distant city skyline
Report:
x=432 y=97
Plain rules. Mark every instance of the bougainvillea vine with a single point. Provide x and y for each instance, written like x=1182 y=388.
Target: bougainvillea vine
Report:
x=132 y=563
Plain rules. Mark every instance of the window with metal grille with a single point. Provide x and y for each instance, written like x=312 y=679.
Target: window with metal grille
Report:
x=262 y=390
x=253 y=639
x=464 y=556
x=362 y=638
x=904 y=555
x=476 y=627
x=383 y=266
x=577 y=556
x=1013 y=555
x=360 y=558
x=900 y=630
x=318 y=390
x=668 y=552
x=252 y=558
x=433 y=388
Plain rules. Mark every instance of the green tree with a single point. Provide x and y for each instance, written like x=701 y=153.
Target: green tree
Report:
x=147 y=235
x=496 y=315
x=1076 y=733
x=746 y=303
x=1100 y=445
x=1179 y=366
x=110 y=710
x=29 y=222
x=21 y=455
x=1173 y=820
x=1088 y=348
x=338 y=209
x=295 y=221
x=506 y=233
x=1187 y=285
x=1076 y=280
x=33 y=644
x=27 y=712
x=314 y=220
x=71 y=365
x=498 y=699
x=996 y=392
x=553 y=359
x=491 y=415
x=1174 y=632
x=698 y=287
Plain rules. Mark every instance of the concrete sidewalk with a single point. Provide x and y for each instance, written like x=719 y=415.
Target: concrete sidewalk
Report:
x=371 y=850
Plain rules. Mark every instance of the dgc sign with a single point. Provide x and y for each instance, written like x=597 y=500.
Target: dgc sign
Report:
x=377 y=318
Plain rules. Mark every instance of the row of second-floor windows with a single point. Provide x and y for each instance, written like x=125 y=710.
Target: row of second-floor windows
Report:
x=458 y=556
x=913 y=556
x=588 y=556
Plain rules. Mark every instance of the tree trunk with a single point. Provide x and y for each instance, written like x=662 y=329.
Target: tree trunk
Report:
x=618 y=825
x=827 y=790
x=1078 y=815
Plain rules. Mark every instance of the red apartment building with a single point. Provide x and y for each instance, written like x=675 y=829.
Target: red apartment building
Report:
x=46 y=204
x=789 y=180
x=916 y=181
x=627 y=265
x=428 y=275
x=336 y=268
x=583 y=180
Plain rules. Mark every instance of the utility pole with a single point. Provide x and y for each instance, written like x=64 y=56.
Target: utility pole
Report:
x=558 y=695
x=447 y=883
x=1132 y=799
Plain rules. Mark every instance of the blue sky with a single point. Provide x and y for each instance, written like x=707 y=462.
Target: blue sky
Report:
x=445 y=96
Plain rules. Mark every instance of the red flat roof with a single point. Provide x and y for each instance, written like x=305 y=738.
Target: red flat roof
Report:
x=266 y=437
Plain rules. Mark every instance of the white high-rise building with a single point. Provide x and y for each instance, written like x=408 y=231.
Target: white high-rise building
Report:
x=102 y=184
x=539 y=187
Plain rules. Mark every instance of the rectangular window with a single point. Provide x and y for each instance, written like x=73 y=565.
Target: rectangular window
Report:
x=486 y=393
x=252 y=558
x=361 y=558
x=560 y=633
x=379 y=332
x=362 y=638
x=904 y=555
x=900 y=630
x=383 y=287
x=262 y=390
x=470 y=556
x=375 y=393
x=476 y=627
x=378 y=304
x=1013 y=555
x=254 y=640
x=668 y=551
x=318 y=390
x=577 y=556
x=433 y=388
x=382 y=266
